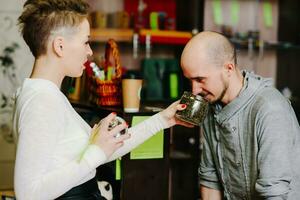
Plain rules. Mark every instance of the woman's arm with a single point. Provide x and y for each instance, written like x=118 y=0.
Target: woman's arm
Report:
x=41 y=124
x=144 y=130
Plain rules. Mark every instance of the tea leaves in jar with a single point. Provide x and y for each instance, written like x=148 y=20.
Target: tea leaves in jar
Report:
x=196 y=109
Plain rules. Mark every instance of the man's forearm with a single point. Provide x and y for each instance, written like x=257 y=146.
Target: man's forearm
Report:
x=210 y=194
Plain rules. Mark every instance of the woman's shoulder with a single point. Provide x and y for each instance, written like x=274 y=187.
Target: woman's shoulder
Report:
x=39 y=91
x=39 y=85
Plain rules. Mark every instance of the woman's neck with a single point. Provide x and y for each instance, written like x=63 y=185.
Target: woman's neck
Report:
x=46 y=68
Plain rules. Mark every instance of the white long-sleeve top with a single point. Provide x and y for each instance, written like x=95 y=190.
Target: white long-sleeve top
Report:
x=53 y=150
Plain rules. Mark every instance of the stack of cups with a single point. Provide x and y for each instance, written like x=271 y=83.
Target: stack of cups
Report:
x=131 y=90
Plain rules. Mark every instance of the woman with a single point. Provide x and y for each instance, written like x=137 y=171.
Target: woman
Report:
x=56 y=155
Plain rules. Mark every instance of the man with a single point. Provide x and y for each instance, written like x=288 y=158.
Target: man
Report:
x=251 y=146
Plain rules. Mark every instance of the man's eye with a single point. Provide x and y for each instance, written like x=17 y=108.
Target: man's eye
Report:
x=200 y=80
x=87 y=43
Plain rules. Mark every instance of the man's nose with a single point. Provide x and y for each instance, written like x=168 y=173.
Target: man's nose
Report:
x=196 y=89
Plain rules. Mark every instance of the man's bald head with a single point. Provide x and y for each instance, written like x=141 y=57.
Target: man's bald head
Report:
x=211 y=46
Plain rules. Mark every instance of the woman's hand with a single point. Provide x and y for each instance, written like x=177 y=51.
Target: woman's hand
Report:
x=169 y=115
x=106 y=139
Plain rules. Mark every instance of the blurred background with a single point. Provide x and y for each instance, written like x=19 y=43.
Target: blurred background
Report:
x=150 y=36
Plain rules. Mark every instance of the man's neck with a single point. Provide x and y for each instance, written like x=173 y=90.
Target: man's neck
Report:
x=234 y=88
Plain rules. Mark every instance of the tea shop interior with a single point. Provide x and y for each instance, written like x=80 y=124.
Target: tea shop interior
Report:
x=137 y=71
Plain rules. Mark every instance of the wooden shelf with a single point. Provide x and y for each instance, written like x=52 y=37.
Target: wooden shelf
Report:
x=126 y=35
x=120 y=35
x=9 y=194
x=165 y=36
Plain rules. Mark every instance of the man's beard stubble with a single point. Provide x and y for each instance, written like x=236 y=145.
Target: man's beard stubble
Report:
x=225 y=87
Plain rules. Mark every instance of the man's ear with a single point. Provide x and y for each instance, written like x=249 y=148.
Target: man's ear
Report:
x=58 y=46
x=229 y=68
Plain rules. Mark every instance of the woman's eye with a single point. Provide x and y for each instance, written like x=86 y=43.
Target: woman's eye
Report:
x=87 y=43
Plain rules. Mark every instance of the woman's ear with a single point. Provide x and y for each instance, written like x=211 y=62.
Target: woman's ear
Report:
x=58 y=46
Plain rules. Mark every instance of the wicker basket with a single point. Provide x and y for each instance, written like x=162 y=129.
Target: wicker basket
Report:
x=108 y=92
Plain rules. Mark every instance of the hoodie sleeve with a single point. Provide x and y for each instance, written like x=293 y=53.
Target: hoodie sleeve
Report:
x=208 y=175
x=275 y=126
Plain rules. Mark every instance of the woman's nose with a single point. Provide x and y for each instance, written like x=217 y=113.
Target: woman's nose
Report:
x=90 y=51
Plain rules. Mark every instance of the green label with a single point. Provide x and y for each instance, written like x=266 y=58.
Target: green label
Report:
x=151 y=148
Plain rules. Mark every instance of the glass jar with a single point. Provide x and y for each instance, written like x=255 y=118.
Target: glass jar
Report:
x=196 y=108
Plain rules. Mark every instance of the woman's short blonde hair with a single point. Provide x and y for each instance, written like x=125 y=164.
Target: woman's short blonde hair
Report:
x=40 y=18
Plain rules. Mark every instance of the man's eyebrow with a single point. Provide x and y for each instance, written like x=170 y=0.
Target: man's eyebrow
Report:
x=198 y=78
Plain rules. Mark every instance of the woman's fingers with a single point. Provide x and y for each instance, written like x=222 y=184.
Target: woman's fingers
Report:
x=181 y=106
x=178 y=106
x=106 y=132
x=119 y=128
x=105 y=121
x=120 y=144
x=174 y=107
x=123 y=137
x=179 y=122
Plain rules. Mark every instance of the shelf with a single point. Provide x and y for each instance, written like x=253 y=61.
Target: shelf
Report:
x=243 y=45
x=146 y=108
x=156 y=36
x=178 y=155
x=165 y=36
x=120 y=35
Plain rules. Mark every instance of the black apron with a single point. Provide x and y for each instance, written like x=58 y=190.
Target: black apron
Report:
x=86 y=191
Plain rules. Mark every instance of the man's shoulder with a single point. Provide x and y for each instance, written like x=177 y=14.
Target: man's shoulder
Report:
x=270 y=95
x=270 y=100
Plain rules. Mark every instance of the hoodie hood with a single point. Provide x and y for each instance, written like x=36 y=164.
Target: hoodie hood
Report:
x=252 y=85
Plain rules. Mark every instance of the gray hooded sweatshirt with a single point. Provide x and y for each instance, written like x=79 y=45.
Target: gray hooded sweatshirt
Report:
x=251 y=147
